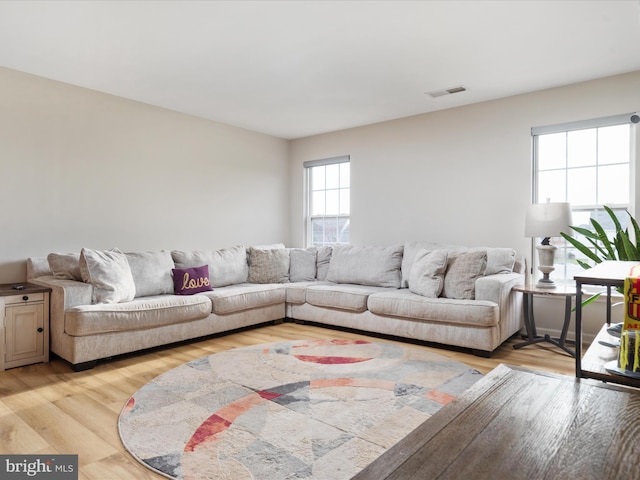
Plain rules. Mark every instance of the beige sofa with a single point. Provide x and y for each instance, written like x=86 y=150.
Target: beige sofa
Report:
x=449 y=295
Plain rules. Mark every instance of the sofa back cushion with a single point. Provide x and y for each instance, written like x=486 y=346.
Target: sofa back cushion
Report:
x=227 y=266
x=151 y=272
x=373 y=266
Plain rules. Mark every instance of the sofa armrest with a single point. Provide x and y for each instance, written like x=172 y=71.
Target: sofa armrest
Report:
x=69 y=293
x=496 y=288
x=65 y=294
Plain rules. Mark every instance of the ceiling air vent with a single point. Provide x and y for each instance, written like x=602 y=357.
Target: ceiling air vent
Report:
x=448 y=91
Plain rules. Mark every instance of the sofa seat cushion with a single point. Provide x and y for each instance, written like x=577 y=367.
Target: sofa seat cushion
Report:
x=341 y=296
x=138 y=314
x=403 y=303
x=297 y=292
x=245 y=296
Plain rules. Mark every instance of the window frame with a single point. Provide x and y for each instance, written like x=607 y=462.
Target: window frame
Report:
x=614 y=120
x=308 y=205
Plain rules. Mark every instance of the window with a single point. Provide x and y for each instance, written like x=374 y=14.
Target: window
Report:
x=328 y=203
x=587 y=164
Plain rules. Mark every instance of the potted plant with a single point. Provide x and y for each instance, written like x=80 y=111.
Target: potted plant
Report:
x=600 y=248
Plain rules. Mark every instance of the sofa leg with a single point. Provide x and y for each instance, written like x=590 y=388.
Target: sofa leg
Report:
x=278 y=321
x=81 y=367
x=481 y=353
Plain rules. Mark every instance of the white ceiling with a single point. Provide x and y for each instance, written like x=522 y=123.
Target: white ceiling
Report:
x=298 y=68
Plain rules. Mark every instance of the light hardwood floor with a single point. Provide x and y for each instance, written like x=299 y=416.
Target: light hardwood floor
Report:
x=48 y=408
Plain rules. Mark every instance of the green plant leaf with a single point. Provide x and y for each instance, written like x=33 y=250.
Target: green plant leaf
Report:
x=604 y=239
x=584 y=265
x=586 y=233
x=636 y=229
x=613 y=217
x=631 y=252
x=591 y=299
x=582 y=248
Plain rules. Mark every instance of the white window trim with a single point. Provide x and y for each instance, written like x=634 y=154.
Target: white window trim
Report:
x=625 y=118
x=307 y=188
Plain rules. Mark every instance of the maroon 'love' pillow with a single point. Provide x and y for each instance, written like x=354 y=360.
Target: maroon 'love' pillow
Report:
x=187 y=281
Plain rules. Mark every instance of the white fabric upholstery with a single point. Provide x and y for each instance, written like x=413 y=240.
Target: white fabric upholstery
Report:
x=139 y=314
x=341 y=296
x=101 y=331
x=245 y=296
x=408 y=305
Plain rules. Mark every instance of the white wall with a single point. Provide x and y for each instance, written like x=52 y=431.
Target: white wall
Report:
x=80 y=168
x=461 y=175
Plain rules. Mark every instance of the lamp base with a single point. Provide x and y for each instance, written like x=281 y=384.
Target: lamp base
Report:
x=545 y=260
x=546 y=282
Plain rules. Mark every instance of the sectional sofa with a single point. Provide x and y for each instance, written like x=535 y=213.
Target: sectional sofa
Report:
x=106 y=303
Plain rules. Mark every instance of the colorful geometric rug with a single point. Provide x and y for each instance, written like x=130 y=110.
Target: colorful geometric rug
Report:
x=321 y=409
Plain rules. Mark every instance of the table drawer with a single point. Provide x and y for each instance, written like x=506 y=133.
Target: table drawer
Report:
x=24 y=298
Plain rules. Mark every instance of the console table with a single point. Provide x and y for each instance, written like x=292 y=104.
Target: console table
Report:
x=521 y=424
x=606 y=274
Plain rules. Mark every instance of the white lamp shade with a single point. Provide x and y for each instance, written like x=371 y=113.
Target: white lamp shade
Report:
x=547 y=220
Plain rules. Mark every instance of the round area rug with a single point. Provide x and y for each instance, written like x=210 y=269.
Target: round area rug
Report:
x=320 y=409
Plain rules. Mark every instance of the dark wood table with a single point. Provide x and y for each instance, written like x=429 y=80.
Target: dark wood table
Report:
x=609 y=274
x=522 y=424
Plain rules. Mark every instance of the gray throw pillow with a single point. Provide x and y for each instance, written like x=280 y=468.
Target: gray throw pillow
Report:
x=65 y=265
x=268 y=266
x=462 y=272
x=427 y=273
x=322 y=262
x=302 y=264
x=109 y=273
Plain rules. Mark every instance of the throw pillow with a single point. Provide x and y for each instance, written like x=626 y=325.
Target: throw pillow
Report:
x=151 y=272
x=188 y=281
x=302 y=267
x=109 y=273
x=268 y=266
x=427 y=273
x=65 y=265
x=322 y=262
x=500 y=260
x=462 y=272
x=370 y=265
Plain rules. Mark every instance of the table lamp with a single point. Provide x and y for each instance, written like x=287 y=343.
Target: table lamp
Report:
x=547 y=220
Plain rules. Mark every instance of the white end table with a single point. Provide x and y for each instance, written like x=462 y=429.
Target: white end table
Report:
x=529 y=291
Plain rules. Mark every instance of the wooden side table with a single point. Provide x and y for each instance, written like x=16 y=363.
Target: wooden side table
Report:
x=24 y=325
x=532 y=337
